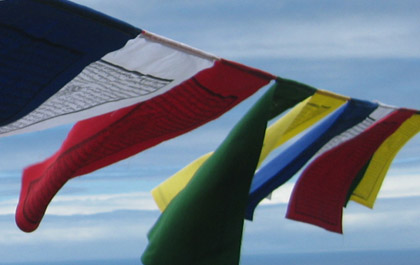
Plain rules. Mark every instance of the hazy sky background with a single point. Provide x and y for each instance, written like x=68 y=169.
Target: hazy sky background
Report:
x=364 y=49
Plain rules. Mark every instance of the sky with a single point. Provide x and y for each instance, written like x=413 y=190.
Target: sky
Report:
x=363 y=49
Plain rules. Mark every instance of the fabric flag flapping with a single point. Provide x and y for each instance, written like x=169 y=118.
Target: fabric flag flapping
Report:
x=380 y=112
x=106 y=139
x=116 y=70
x=287 y=95
x=290 y=161
x=320 y=193
x=44 y=45
x=368 y=188
x=204 y=222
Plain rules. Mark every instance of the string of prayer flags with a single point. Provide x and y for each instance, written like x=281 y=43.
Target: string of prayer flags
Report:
x=290 y=161
x=321 y=191
x=128 y=90
x=102 y=140
x=204 y=223
x=302 y=116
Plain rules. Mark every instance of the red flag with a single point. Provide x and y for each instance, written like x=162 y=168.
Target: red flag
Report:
x=321 y=191
x=106 y=139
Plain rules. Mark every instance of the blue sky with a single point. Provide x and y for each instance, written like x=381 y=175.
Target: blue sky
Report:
x=357 y=48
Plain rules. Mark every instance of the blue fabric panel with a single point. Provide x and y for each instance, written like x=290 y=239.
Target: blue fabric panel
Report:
x=286 y=164
x=44 y=45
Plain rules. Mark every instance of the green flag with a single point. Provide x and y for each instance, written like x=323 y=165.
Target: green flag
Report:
x=203 y=224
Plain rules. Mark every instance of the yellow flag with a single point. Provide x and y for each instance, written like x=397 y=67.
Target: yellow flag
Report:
x=301 y=117
x=167 y=190
x=368 y=188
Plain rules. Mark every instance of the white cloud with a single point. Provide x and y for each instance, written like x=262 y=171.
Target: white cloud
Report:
x=114 y=235
x=102 y=203
x=400 y=186
x=280 y=195
x=67 y=205
x=393 y=224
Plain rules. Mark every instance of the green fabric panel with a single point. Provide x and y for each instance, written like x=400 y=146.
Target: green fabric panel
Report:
x=288 y=94
x=203 y=224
